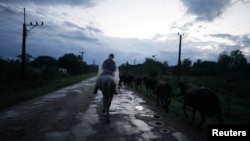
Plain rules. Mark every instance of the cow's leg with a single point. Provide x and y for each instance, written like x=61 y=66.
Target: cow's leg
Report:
x=203 y=119
x=193 y=119
x=166 y=105
x=184 y=109
x=220 y=119
x=157 y=101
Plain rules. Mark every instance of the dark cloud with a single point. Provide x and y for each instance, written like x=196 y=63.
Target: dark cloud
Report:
x=225 y=36
x=243 y=40
x=90 y=29
x=84 y=3
x=206 y=10
x=77 y=35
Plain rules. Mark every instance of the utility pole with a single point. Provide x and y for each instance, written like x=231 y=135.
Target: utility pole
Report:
x=25 y=32
x=179 y=59
x=82 y=52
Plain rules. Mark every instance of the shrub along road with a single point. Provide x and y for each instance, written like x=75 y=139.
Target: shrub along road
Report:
x=75 y=114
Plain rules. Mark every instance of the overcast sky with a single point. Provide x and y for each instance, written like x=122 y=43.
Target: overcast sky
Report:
x=131 y=29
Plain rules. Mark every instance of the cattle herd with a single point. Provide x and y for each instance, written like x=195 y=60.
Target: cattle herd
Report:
x=201 y=99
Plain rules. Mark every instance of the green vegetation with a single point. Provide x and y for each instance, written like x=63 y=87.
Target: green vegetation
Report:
x=41 y=76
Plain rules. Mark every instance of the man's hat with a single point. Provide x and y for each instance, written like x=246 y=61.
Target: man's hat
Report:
x=111 y=55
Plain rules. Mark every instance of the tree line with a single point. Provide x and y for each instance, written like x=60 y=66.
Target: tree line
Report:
x=46 y=67
x=235 y=62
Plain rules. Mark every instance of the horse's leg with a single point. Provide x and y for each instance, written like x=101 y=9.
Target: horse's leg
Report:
x=103 y=103
x=108 y=107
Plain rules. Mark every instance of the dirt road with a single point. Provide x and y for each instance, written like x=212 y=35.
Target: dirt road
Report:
x=74 y=114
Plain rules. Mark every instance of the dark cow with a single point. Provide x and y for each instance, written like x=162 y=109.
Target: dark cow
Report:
x=163 y=91
x=138 y=82
x=201 y=99
x=127 y=79
x=150 y=84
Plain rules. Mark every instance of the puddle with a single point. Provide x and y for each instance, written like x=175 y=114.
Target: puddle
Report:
x=156 y=123
x=56 y=136
x=61 y=115
x=149 y=136
x=165 y=130
x=84 y=129
x=180 y=137
x=10 y=115
x=127 y=129
x=91 y=116
x=93 y=106
x=157 y=116
x=55 y=95
x=141 y=125
x=139 y=108
x=77 y=91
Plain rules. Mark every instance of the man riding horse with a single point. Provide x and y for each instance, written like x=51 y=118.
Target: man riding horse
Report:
x=108 y=68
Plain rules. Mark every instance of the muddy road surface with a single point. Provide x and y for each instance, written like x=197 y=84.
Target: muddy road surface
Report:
x=74 y=113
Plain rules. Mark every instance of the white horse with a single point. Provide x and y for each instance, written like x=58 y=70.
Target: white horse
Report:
x=107 y=84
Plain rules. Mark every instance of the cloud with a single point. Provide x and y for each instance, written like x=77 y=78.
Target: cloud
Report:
x=84 y=3
x=220 y=35
x=206 y=10
x=241 y=41
x=77 y=36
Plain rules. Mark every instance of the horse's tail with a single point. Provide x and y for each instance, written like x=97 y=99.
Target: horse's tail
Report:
x=109 y=86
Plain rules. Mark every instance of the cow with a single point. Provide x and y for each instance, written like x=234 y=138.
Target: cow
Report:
x=201 y=99
x=127 y=79
x=163 y=91
x=138 y=81
x=150 y=83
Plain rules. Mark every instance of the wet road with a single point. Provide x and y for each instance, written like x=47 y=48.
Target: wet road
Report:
x=74 y=114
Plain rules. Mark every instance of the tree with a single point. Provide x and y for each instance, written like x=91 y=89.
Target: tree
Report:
x=237 y=60
x=44 y=62
x=47 y=67
x=150 y=68
x=186 y=66
x=154 y=67
x=204 y=68
x=223 y=62
x=28 y=57
x=71 y=63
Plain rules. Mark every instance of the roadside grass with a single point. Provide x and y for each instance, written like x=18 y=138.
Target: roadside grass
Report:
x=19 y=91
x=233 y=94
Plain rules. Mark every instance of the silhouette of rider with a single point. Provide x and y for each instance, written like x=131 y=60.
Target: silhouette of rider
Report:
x=108 y=67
